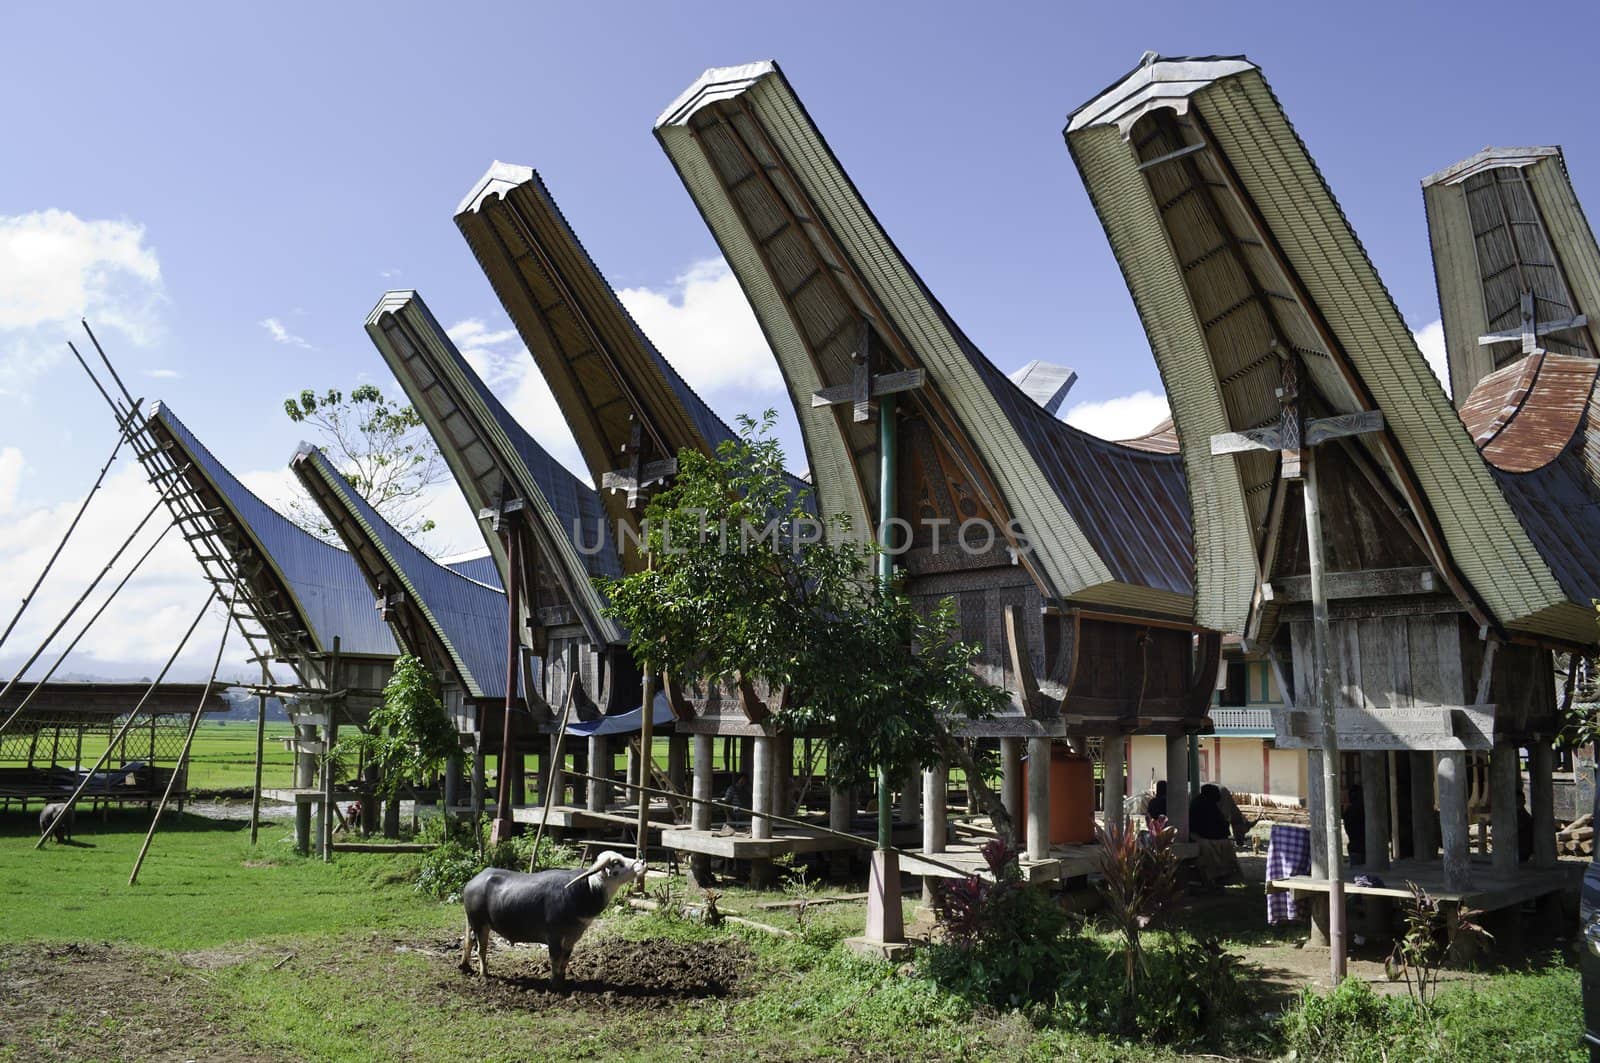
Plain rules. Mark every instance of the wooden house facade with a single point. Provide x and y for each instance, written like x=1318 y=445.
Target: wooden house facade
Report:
x=1070 y=557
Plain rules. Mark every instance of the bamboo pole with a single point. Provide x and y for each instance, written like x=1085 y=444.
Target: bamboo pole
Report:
x=183 y=752
x=504 y=822
x=261 y=741
x=122 y=437
x=88 y=590
x=325 y=827
x=85 y=629
x=1327 y=688
x=132 y=716
x=556 y=772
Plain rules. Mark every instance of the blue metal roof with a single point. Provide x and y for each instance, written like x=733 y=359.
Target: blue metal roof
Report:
x=480 y=567
x=324 y=581
x=467 y=617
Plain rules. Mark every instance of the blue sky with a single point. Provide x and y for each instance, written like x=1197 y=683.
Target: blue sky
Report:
x=227 y=190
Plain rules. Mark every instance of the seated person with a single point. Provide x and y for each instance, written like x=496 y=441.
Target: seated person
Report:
x=1218 y=858
x=1157 y=805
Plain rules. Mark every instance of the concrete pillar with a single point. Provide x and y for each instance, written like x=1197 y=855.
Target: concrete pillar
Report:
x=1452 y=769
x=599 y=792
x=305 y=764
x=841 y=807
x=1423 y=842
x=1114 y=752
x=632 y=773
x=452 y=783
x=935 y=808
x=678 y=761
x=1541 y=796
x=1375 y=801
x=783 y=775
x=700 y=814
x=1503 y=772
x=761 y=764
x=1316 y=798
x=1178 y=785
x=1038 y=798
x=1011 y=781
x=911 y=800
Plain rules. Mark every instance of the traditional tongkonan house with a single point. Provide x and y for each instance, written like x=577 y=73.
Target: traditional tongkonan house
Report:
x=631 y=414
x=1342 y=502
x=1070 y=558
x=454 y=624
x=298 y=601
x=545 y=528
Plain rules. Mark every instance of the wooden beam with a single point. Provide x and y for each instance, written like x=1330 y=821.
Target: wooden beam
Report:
x=1362 y=583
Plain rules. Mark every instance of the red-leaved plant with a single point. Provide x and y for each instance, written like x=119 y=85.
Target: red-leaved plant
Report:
x=963 y=906
x=1140 y=884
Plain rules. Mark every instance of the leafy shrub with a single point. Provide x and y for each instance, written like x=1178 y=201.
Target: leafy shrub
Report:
x=1352 y=1024
x=1002 y=939
x=1191 y=989
x=1140 y=883
x=446 y=869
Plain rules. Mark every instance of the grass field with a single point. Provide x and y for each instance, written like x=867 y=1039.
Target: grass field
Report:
x=230 y=951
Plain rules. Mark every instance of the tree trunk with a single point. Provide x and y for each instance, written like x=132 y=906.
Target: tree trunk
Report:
x=988 y=801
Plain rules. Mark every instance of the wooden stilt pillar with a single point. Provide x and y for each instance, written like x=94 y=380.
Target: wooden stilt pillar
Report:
x=452 y=783
x=515 y=764
x=599 y=791
x=1452 y=769
x=1375 y=802
x=1011 y=781
x=1316 y=799
x=1178 y=785
x=783 y=775
x=480 y=775
x=678 y=761
x=1541 y=795
x=1503 y=772
x=841 y=813
x=911 y=800
x=556 y=772
x=1038 y=798
x=1114 y=753
x=1423 y=841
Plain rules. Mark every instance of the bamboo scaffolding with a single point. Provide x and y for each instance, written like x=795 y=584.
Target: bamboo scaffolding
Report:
x=128 y=723
x=183 y=752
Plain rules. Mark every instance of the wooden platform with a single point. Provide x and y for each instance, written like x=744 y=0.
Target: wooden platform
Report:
x=1490 y=891
x=736 y=844
x=1064 y=861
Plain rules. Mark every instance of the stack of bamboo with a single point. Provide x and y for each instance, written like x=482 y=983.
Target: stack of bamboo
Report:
x=1577 y=837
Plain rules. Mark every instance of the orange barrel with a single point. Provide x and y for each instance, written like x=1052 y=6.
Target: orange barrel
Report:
x=1071 y=796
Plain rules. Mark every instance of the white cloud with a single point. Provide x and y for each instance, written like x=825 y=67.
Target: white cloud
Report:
x=276 y=329
x=498 y=356
x=56 y=268
x=1431 y=339
x=387 y=273
x=10 y=477
x=1123 y=417
x=704 y=326
x=163 y=374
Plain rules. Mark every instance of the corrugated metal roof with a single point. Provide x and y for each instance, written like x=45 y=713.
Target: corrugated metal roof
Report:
x=1102 y=520
x=1231 y=243
x=1162 y=439
x=486 y=447
x=324 y=583
x=480 y=567
x=467 y=618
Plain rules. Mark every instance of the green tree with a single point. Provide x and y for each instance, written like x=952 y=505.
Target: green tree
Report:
x=409 y=736
x=381 y=447
x=746 y=586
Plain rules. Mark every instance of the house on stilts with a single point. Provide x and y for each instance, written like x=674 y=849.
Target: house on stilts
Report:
x=1070 y=558
x=1278 y=344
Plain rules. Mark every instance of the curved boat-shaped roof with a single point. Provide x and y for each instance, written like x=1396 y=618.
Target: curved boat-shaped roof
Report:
x=1236 y=254
x=1162 y=439
x=480 y=567
x=493 y=458
x=1104 y=523
x=1510 y=239
x=319 y=583
x=455 y=619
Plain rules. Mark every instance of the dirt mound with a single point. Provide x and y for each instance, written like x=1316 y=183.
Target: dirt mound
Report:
x=610 y=973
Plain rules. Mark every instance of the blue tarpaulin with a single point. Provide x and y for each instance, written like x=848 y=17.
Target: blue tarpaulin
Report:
x=624 y=722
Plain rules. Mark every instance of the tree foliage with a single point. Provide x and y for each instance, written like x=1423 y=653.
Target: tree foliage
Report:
x=408 y=736
x=381 y=447
x=747 y=585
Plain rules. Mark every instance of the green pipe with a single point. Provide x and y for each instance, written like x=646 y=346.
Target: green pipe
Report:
x=887 y=486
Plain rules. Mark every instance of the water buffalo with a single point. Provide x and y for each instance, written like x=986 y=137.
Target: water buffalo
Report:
x=47 y=817
x=552 y=908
